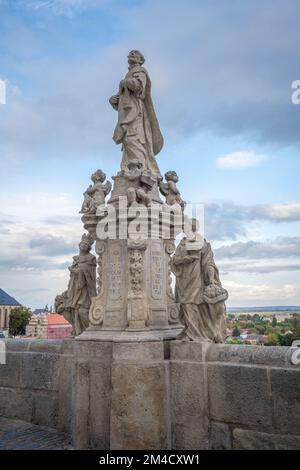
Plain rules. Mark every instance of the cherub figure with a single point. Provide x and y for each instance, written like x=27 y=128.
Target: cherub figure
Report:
x=142 y=183
x=170 y=190
x=95 y=194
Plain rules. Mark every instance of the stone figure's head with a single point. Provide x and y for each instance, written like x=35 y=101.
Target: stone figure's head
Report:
x=86 y=243
x=135 y=58
x=98 y=176
x=171 y=176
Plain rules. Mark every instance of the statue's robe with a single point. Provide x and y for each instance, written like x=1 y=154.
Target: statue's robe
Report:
x=137 y=128
x=200 y=319
x=81 y=289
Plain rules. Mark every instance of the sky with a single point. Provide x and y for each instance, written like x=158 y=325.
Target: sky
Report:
x=221 y=83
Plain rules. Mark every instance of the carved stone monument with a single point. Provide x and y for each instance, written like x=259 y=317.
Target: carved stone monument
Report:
x=121 y=302
x=134 y=231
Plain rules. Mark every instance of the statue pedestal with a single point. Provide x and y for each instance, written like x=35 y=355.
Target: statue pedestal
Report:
x=135 y=301
x=121 y=396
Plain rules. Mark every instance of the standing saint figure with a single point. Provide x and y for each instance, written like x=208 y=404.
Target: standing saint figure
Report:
x=137 y=128
x=74 y=303
x=199 y=292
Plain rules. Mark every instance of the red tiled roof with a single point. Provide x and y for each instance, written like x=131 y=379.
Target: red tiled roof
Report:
x=56 y=319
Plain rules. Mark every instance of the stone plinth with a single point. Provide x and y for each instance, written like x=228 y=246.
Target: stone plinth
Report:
x=121 y=396
x=135 y=301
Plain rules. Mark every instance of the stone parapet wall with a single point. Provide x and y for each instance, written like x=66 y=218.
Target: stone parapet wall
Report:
x=155 y=395
x=244 y=397
x=36 y=382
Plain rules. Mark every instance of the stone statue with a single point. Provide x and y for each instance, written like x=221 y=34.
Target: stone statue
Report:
x=137 y=128
x=142 y=183
x=60 y=306
x=74 y=304
x=199 y=292
x=170 y=190
x=95 y=194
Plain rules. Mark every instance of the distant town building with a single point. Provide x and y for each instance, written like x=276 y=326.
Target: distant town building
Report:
x=7 y=303
x=48 y=326
x=39 y=311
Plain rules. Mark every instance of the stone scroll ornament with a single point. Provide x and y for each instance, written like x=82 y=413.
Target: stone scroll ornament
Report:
x=74 y=303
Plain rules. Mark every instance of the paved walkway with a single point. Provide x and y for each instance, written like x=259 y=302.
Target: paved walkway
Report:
x=18 y=435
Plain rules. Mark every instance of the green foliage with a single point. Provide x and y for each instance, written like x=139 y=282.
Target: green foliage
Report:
x=285 y=340
x=274 y=321
x=234 y=341
x=296 y=333
x=18 y=319
x=272 y=339
x=261 y=329
x=236 y=331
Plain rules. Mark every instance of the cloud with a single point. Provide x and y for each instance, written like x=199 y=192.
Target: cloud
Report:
x=51 y=245
x=240 y=160
x=228 y=220
x=255 y=268
x=280 y=247
x=289 y=212
x=262 y=292
x=64 y=8
x=238 y=86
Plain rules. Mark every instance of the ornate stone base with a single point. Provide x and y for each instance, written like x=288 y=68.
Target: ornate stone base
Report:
x=128 y=336
x=135 y=300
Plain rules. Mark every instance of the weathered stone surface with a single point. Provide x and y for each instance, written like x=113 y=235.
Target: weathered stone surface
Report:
x=17 y=344
x=138 y=352
x=139 y=407
x=94 y=349
x=189 y=408
x=45 y=346
x=45 y=410
x=245 y=354
x=80 y=423
x=40 y=371
x=252 y=440
x=10 y=372
x=16 y=403
x=155 y=394
x=65 y=393
x=191 y=351
x=100 y=403
x=239 y=394
x=219 y=436
x=285 y=386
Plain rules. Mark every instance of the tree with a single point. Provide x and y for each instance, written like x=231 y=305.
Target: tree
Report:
x=236 y=331
x=285 y=340
x=272 y=339
x=18 y=319
x=274 y=321
x=261 y=329
x=296 y=333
